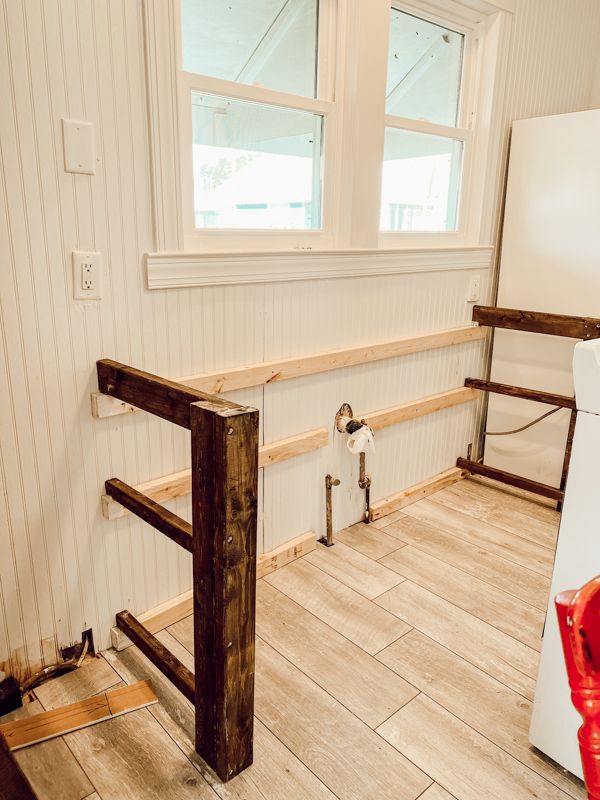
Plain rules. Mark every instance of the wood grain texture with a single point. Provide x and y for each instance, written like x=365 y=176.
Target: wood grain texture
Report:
x=13 y=783
x=346 y=611
x=482 y=702
x=343 y=752
x=353 y=569
x=458 y=758
x=397 y=501
x=500 y=475
x=538 y=322
x=368 y=540
x=496 y=540
x=224 y=509
x=179 y=484
x=486 y=647
x=527 y=586
x=518 y=391
x=377 y=420
x=285 y=553
x=473 y=595
x=530 y=505
x=74 y=716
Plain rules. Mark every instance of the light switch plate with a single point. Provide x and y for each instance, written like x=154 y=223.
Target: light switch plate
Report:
x=474 y=289
x=87 y=275
x=78 y=145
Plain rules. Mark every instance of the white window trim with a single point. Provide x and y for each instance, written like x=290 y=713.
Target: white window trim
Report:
x=355 y=117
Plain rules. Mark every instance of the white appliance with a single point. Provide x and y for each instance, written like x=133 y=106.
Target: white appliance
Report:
x=554 y=721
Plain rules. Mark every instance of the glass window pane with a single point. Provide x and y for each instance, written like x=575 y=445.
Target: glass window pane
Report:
x=271 y=43
x=421 y=181
x=255 y=166
x=424 y=70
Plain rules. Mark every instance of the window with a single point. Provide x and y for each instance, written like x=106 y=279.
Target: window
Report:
x=328 y=124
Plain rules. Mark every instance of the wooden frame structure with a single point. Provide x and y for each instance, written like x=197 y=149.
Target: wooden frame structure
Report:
x=531 y=322
x=222 y=541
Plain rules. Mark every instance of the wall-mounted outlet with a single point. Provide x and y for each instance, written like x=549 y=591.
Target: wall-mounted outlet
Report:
x=87 y=275
x=474 y=289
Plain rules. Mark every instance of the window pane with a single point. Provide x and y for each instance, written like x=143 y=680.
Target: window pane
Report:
x=270 y=43
x=255 y=166
x=421 y=180
x=424 y=70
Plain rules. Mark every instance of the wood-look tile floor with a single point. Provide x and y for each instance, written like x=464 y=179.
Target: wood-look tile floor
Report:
x=399 y=664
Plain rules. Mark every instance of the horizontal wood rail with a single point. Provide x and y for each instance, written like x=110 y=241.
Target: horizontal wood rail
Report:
x=154 y=514
x=537 y=322
x=179 y=484
x=406 y=497
x=222 y=540
x=525 y=394
x=418 y=408
x=501 y=476
x=301 y=366
x=170 y=666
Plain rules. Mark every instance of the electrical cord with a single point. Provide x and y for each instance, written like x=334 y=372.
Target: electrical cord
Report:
x=524 y=427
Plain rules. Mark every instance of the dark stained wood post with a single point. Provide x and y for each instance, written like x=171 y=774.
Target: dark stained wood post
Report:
x=224 y=521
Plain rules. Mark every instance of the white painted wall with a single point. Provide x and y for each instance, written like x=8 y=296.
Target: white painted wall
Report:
x=63 y=568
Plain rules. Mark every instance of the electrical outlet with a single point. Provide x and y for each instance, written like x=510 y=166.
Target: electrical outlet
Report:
x=474 y=289
x=87 y=275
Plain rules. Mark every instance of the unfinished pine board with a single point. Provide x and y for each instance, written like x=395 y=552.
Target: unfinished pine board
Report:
x=343 y=752
x=501 y=516
x=39 y=763
x=285 y=553
x=179 y=484
x=395 y=502
x=340 y=667
x=508 y=545
x=510 y=497
x=355 y=570
x=74 y=716
x=368 y=540
x=346 y=611
x=486 y=647
x=529 y=587
x=299 y=366
x=476 y=698
x=465 y=763
x=377 y=420
x=492 y=605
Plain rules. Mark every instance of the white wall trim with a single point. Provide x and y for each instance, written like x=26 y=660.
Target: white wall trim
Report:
x=177 y=270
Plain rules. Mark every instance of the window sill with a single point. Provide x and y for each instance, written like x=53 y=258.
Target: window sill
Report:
x=184 y=270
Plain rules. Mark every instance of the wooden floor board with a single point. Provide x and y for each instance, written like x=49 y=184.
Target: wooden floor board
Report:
x=368 y=540
x=435 y=792
x=465 y=763
x=486 y=647
x=492 y=605
x=354 y=569
x=527 y=586
x=511 y=497
x=346 y=611
x=491 y=708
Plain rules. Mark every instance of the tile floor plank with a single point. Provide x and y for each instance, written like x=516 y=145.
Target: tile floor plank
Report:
x=367 y=540
x=346 y=611
x=343 y=752
x=465 y=763
x=512 y=662
x=436 y=792
x=492 y=605
x=522 y=583
x=348 y=566
x=486 y=705
x=502 y=543
x=511 y=497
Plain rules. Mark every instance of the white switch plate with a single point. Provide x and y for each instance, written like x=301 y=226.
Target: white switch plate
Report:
x=474 y=289
x=87 y=275
x=78 y=145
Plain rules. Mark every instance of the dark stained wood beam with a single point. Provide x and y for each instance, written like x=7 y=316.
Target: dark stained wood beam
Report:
x=151 y=512
x=517 y=391
x=224 y=500
x=170 y=666
x=511 y=480
x=158 y=396
x=538 y=322
x=13 y=783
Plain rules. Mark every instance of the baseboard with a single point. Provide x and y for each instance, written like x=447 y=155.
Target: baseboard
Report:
x=413 y=494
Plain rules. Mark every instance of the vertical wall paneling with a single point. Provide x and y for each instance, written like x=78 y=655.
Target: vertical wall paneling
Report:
x=63 y=568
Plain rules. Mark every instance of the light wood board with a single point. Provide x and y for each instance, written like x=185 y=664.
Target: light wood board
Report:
x=406 y=497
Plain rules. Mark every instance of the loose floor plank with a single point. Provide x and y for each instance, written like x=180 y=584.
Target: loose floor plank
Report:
x=503 y=611
x=352 y=568
x=329 y=659
x=343 y=752
x=486 y=647
x=465 y=763
x=349 y=613
x=491 y=708
x=39 y=763
x=522 y=583
x=368 y=540
x=513 y=548
x=74 y=716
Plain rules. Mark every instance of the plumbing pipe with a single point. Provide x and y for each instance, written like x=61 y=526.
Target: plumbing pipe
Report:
x=329 y=483
x=364 y=482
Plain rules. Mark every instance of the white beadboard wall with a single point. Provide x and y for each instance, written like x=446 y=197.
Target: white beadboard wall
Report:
x=63 y=568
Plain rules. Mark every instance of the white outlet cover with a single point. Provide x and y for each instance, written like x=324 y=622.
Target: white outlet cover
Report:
x=78 y=145
x=81 y=258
